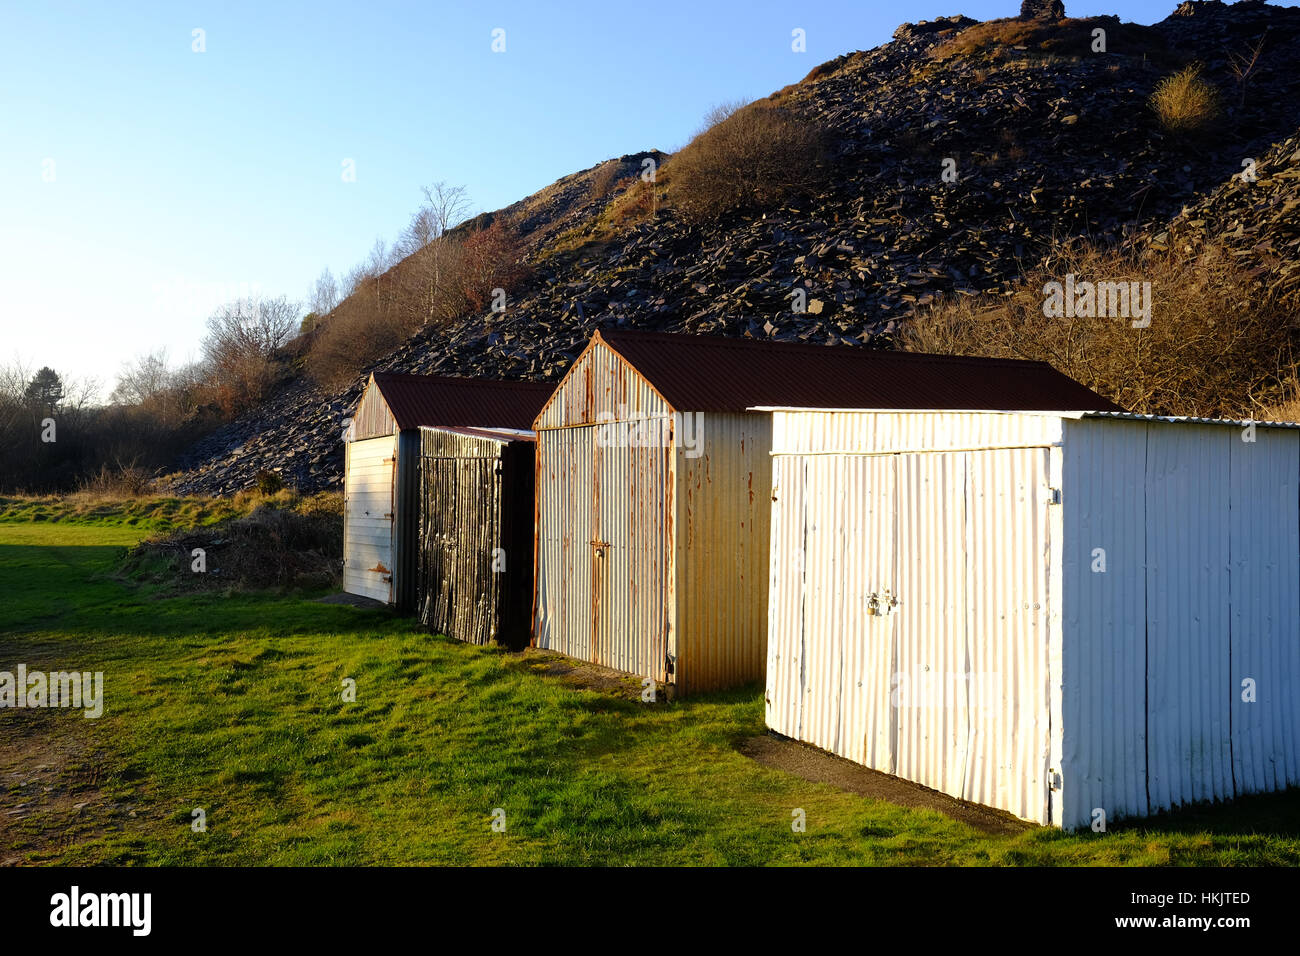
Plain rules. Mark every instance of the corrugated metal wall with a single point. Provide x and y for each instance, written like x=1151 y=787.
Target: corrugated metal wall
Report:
x=1123 y=626
x=651 y=559
x=1201 y=534
x=724 y=512
x=949 y=687
x=1265 y=608
x=600 y=383
x=604 y=527
x=368 y=518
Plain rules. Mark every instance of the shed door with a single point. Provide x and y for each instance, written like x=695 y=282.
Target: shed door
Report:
x=847 y=567
x=460 y=528
x=368 y=479
x=971 y=626
x=629 y=611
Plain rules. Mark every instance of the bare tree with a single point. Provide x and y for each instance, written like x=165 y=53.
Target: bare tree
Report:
x=447 y=206
x=241 y=337
x=444 y=208
x=324 y=294
x=143 y=378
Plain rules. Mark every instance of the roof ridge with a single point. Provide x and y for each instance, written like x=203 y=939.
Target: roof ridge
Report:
x=461 y=380
x=731 y=341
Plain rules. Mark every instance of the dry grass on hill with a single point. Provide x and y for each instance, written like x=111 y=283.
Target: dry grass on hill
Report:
x=1218 y=343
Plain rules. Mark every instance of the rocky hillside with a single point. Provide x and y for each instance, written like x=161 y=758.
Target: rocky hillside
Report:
x=1048 y=140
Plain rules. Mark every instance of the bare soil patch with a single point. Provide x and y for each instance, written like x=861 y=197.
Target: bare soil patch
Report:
x=819 y=766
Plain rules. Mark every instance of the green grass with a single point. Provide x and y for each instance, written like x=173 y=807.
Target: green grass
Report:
x=233 y=704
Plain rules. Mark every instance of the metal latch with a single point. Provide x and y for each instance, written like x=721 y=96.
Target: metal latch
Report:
x=878 y=605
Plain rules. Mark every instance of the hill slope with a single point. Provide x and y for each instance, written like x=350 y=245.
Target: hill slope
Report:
x=1050 y=141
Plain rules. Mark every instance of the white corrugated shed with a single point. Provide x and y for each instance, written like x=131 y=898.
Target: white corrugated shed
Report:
x=938 y=608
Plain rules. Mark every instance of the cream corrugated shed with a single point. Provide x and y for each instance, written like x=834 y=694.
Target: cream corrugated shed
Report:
x=1071 y=617
x=653 y=482
x=381 y=471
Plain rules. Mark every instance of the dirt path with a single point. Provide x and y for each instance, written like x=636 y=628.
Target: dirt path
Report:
x=820 y=767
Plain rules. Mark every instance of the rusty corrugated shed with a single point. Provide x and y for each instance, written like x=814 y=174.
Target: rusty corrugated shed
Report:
x=418 y=400
x=700 y=373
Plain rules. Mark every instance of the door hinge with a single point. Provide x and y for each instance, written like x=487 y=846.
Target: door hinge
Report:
x=1053 y=496
x=1053 y=780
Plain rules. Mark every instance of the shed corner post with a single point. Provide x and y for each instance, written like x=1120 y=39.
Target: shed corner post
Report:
x=1057 y=778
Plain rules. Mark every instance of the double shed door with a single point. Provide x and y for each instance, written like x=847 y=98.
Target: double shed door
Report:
x=919 y=606
x=604 y=513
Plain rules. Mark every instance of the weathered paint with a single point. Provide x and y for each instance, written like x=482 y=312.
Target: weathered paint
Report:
x=476 y=536
x=369 y=475
x=372 y=417
x=724 y=510
x=651 y=559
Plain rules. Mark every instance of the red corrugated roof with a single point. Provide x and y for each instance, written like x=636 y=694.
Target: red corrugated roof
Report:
x=704 y=373
x=417 y=400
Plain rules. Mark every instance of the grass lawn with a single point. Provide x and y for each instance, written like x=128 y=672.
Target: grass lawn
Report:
x=233 y=704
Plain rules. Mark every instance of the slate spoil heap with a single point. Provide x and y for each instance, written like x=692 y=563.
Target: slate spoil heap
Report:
x=1048 y=142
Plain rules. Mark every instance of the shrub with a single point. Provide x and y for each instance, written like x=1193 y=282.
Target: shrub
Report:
x=752 y=156
x=115 y=483
x=268 y=482
x=602 y=184
x=1219 y=343
x=492 y=258
x=1185 y=102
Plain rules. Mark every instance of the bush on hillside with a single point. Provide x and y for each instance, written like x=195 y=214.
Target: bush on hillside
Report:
x=1218 y=344
x=1186 y=102
x=748 y=157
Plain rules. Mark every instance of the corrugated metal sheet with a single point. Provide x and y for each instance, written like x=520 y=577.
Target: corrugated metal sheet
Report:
x=476 y=535
x=1121 y=628
x=562 y=616
x=601 y=386
x=1102 y=682
x=1265 y=609
x=856 y=432
x=1202 y=537
x=604 y=527
x=723 y=536
x=710 y=373
x=949 y=685
x=651 y=557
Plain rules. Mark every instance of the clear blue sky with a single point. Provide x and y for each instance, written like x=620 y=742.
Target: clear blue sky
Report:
x=140 y=181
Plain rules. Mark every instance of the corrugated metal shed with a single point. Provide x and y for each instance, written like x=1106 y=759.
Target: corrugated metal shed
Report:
x=382 y=488
x=1096 y=615
x=653 y=483
x=476 y=533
